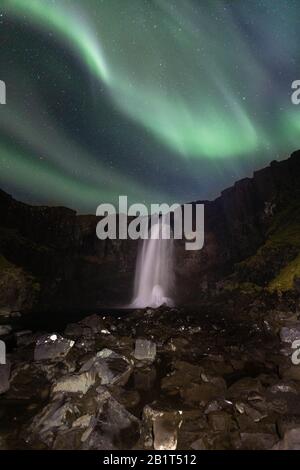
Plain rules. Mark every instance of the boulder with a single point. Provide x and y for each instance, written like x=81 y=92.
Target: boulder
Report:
x=145 y=350
x=283 y=387
x=82 y=422
x=75 y=383
x=26 y=337
x=291 y=333
x=56 y=417
x=113 y=428
x=5 y=330
x=128 y=398
x=144 y=378
x=199 y=444
x=94 y=322
x=200 y=393
x=290 y=441
x=69 y=439
x=220 y=421
x=291 y=373
x=74 y=330
x=182 y=375
x=286 y=423
x=52 y=347
x=163 y=425
x=110 y=367
x=245 y=387
x=257 y=441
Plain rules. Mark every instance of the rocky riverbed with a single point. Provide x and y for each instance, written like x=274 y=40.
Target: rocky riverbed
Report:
x=216 y=376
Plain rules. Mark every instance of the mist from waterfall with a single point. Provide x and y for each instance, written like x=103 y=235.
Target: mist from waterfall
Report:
x=154 y=276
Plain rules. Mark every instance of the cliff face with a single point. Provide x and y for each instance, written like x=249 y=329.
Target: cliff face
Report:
x=50 y=258
x=252 y=234
x=58 y=251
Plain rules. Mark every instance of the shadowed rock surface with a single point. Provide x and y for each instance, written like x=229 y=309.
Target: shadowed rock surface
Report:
x=222 y=378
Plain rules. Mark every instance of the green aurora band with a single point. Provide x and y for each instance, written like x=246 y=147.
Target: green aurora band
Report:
x=201 y=93
x=192 y=107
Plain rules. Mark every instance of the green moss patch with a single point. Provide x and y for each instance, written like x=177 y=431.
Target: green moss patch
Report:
x=285 y=279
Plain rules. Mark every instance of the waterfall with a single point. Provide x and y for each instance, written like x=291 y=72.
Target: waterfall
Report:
x=154 y=276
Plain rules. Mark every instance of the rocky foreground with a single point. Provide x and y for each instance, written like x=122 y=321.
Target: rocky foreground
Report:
x=219 y=376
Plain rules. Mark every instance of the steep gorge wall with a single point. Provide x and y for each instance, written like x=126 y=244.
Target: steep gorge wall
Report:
x=238 y=223
x=71 y=268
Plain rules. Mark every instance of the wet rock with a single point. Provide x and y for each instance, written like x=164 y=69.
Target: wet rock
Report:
x=163 y=425
x=94 y=322
x=85 y=344
x=26 y=337
x=244 y=387
x=82 y=422
x=182 y=375
x=216 y=365
x=69 y=439
x=56 y=417
x=5 y=330
x=291 y=333
x=113 y=428
x=214 y=441
x=220 y=421
x=287 y=423
x=4 y=377
x=218 y=405
x=110 y=367
x=200 y=444
x=257 y=441
x=193 y=421
x=291 y=373
x=144 y=379
x=279 y=405
x=145 y=350
x=290 y=441
x=52 y=347
x=128 y=398
x=240 y=407
x=247 y=425
x=27 y=382
x=284 y=387
x=165 y=434
x=55 y=370
x=200 y=393
x=219 y=382
x=255 y=414
x=74 y=330
x=76 y=383
x=177 y=343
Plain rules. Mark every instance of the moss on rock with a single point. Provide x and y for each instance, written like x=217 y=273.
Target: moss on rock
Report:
x=285 y=279
x=18 y=289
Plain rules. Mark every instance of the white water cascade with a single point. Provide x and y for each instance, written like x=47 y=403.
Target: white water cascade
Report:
x=154 y=276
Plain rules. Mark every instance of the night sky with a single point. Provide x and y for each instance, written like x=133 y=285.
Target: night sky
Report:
x=160 y=100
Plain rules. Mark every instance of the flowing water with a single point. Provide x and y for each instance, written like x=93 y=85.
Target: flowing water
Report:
x=154 y=277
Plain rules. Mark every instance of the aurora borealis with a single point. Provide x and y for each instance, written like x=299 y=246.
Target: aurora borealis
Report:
x=161 y=100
